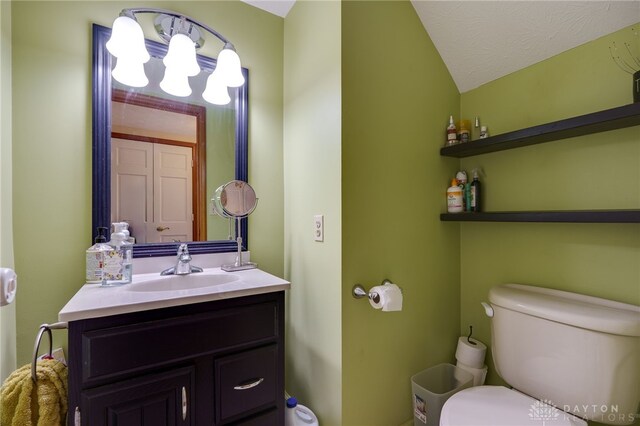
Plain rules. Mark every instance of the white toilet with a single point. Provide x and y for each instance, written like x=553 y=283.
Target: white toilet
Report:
x=568 y=357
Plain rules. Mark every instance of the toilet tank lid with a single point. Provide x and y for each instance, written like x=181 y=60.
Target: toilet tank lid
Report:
x=592 y=313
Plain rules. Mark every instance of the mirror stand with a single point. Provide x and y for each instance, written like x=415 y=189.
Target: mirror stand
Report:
x=235 y=199
x=239 y=265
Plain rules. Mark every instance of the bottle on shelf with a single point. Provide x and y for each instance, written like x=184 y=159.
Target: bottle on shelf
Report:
x=484 y=133
x=463 y=183
x=454 y=197
x=464 y=131
x=452 y=133
x=475 y=132
x=475 y=193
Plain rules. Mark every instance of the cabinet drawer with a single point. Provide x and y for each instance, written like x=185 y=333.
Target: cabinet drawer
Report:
x=112 y=352
x=245 y=383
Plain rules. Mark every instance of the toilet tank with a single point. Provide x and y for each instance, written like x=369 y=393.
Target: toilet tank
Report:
x=577 y=352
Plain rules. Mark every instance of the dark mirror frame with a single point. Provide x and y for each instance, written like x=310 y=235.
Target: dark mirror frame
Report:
x=101 y=114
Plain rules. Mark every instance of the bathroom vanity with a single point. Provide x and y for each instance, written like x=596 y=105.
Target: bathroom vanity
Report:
x=150 y=354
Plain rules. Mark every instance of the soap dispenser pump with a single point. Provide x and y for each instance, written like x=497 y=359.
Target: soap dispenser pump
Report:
x=118 y=260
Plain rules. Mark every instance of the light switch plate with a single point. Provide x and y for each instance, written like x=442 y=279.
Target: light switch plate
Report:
x=318 y=227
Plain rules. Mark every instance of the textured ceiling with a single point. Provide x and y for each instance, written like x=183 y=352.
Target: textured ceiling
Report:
x=481 y=41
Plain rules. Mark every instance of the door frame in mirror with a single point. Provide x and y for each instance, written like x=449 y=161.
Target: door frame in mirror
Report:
x=101 y=156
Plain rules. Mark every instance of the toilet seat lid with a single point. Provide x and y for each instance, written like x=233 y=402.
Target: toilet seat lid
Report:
x=500 y=406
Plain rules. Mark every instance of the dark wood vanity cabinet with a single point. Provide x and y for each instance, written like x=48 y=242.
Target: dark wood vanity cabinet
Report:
x=211 y=363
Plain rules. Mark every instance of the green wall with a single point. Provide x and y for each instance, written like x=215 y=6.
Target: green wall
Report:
x=397 y=97
x=600 y=171
x=52 y=142
x=312 y=160
x=7 y=313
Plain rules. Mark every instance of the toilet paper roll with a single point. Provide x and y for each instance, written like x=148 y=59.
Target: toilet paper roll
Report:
x=389 y=297
x=471 y=353
x=8 y=286
x=479 y=374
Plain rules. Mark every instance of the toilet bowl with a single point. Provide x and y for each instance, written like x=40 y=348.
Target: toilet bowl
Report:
x=500 y=406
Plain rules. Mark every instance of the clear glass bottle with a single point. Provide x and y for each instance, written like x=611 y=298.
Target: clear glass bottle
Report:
x=118 y=261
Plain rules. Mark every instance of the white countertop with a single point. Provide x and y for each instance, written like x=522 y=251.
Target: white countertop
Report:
x=93 y=300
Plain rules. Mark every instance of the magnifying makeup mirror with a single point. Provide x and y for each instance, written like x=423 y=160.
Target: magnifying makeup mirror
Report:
x=235 y=199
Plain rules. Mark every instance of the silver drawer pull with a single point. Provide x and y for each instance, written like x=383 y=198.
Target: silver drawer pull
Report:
x=249 y=385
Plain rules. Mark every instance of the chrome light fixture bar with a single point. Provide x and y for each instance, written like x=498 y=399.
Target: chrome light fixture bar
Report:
x=184 y=36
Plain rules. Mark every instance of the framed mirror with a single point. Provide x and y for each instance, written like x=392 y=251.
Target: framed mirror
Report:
x=109 y=99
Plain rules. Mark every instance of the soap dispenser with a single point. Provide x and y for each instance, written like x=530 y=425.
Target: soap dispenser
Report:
x=95 y=256
x=118 y=260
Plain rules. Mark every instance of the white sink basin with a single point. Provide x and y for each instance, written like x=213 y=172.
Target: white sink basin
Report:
x=182 y=282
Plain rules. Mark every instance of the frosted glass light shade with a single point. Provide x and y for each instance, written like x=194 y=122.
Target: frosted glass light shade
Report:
x=127 y=40
x=229 y=67
x=182 y=55
x=175 y=82
x=130 y=72
x=216 y=91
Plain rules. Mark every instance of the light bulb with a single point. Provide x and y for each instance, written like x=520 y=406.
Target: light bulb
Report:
x=229 y=67
x=216 y=91
x=182 y=55
x=175 y=82
x=127 y=40
x=130 y=72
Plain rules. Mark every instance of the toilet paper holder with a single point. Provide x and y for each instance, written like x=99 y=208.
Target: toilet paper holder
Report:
x=359 y=292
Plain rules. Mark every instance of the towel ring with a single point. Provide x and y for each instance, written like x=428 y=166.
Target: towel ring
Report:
x=36 y=347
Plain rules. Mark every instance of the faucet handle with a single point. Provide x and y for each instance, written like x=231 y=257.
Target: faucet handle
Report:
x=183 y=249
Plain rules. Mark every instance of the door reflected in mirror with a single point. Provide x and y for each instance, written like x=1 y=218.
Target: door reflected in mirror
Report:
x=166 y=156
x=158 y=158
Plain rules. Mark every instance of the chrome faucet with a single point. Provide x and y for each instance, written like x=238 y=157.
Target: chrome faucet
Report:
x=183 y=263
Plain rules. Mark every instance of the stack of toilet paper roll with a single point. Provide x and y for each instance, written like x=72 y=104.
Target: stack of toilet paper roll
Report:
x=470 y=357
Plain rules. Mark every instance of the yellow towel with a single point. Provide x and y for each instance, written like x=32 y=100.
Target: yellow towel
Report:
x=44 y=403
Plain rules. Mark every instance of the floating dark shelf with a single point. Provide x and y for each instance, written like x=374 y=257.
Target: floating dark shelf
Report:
x=576 y=216
x=601 y=121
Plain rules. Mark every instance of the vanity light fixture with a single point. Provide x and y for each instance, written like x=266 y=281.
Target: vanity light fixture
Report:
x=183 y=35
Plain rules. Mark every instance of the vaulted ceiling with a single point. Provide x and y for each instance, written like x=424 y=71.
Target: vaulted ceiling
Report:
x=481 y=41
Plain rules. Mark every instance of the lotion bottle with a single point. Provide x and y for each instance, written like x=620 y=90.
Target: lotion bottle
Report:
x=454 y=197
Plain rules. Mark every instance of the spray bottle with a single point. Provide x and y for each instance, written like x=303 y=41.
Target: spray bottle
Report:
x=475 y=199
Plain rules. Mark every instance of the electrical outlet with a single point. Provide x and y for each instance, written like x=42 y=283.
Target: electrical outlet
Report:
x=318 y=227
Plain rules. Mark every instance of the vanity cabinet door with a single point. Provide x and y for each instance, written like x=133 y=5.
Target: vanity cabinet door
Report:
x=163 y=399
